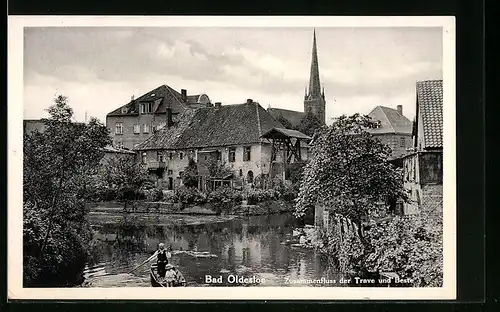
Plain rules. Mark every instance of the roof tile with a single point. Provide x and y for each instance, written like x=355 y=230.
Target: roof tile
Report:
x=430 y=105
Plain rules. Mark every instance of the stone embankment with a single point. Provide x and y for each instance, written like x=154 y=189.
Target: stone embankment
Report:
x=262 y=208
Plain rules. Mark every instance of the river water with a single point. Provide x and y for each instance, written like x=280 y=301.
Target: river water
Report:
x=251 y=247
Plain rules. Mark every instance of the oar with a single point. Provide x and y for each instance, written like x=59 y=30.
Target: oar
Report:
x=145 y=261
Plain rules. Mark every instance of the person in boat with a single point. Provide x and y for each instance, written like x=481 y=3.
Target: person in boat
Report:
x=162 y=256
x=170 y=275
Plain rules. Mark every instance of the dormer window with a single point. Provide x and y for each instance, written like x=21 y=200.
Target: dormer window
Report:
x=146 y=108
x=124 y=110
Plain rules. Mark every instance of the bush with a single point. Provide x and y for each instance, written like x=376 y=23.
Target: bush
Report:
x=154 y=194
x=224 y=198
x=255 y=196
x=189 y=195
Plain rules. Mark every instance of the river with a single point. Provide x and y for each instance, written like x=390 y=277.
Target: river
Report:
x=252 y=246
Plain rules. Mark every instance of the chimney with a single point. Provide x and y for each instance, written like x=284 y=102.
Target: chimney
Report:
x=249 y=101
x=218 y=104
x=209 y=104
x=400 y=109
x=169 y=117
x=132 y=98
x=184 y=94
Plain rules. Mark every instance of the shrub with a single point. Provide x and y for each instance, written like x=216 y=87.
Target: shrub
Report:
x=154 y=194
x=255 y=196
x=189 y=195
x=224 y=198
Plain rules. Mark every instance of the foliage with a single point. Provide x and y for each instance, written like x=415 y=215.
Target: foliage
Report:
x=124 y=177
x=189 y=195
x=58 y=166
x=217 y=168
x=153 y=194
x=411 y=246
x=309 y=124
x=255 y=196
x=348 y=171
x=190 y=176
x=224 y=198
x=284 y=122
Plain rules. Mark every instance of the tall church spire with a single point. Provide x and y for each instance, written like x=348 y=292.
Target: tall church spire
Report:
x=314 y=100
x=314 y=84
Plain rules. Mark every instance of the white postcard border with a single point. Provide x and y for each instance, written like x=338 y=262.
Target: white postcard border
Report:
x=16 y=25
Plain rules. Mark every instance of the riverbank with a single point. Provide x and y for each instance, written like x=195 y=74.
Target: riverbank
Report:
x=144 y=207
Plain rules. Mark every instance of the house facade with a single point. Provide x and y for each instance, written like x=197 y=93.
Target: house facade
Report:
x=137 y=120
x=230 y=135
x=423 y=168
x=395 y=129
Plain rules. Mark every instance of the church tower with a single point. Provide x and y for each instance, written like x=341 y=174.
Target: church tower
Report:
x=314 y=99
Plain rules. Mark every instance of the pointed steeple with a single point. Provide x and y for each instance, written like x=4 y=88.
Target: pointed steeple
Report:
x=314 y=84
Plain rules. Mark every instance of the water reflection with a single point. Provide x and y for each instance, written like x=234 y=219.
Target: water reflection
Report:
x=250 y=246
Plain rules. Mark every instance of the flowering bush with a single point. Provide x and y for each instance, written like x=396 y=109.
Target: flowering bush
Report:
x=255 y=196
x=224 y=198
x=189 y=195
x=411 y=246
x=153 y=194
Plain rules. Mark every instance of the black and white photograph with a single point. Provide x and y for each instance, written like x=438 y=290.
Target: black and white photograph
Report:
x=276 y=157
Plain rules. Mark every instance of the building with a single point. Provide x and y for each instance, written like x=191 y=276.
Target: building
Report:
x=135 y=121
x=423 y=168
x=314 y=97
x=113 y=153
x=230 y=135
x=395 y=129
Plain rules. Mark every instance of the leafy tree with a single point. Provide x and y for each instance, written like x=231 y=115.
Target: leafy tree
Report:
x=217 y=168
x=349 y=173
x=309 y=124
x=190 y=176
x=284 y=122
x=124 y=176
x=57 y=165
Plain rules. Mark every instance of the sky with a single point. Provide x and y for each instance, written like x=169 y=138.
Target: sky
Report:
x=100 y=68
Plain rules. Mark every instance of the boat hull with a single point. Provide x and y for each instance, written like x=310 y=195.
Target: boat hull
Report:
x=156 y=282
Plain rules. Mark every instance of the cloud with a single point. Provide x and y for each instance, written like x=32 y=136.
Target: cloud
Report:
x=100 y=68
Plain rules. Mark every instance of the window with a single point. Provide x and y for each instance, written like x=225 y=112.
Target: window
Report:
x=119 y=128
x=205 y=157
x=153 y=128
x=160 y=156
x=144 y=158
x=402 y=142
x=137 y=129
x=241 y=173
x=246 y=153
x=181 y=156
x=219 y=156
x=250 y=176
x=119 y=145
x=232 y=155
x=170 y=156
x=124 y=110
x=145 y=128
x=146 y=108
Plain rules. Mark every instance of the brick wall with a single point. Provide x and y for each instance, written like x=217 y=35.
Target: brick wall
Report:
x=129 y=138
x=394 y=141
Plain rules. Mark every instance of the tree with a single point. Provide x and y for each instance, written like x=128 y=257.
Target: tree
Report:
x=124 y=176
x=217 y=168
x=57 y=165
x=284 y=122
x=190 y=176
x=348 y=172
x=309 y=124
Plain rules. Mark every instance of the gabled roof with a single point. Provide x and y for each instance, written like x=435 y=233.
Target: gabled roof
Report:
x=430 y=109
x=293 y=117
x=162 y=97
x=111 y=149
x=228 y=125
x=282 y=132
x=391 y=121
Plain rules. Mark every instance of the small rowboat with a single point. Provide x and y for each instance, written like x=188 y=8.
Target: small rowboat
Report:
x=156 y=281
